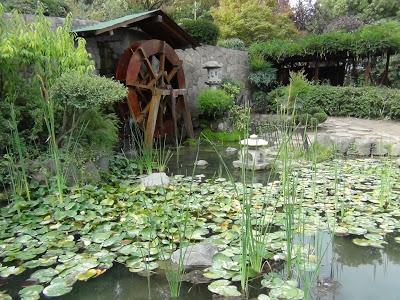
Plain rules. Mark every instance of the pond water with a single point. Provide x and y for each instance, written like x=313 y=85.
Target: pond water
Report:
x=219 y=163
x=361 y=274
x=347 y=271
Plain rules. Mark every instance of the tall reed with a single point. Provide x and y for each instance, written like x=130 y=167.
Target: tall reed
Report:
x=17 y=159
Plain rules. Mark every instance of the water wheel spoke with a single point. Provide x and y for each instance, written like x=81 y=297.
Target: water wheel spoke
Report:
x=133 y=103
x=173 y=72
x=140 y=86
x=147 y=63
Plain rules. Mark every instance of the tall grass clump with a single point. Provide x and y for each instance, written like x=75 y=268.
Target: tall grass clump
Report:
x=17 y=160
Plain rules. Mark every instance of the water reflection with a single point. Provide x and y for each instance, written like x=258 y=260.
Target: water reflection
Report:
x=120 y=284
x=219 y=161
x=363 y=272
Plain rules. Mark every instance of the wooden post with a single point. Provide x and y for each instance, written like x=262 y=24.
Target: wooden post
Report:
x=151 y=121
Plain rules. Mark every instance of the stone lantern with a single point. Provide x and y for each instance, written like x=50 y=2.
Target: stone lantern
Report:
x=214 y=72
x=254 y=154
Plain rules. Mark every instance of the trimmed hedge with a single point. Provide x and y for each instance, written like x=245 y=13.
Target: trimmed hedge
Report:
x=368 y=40
x=204 y=31
x=361 y=102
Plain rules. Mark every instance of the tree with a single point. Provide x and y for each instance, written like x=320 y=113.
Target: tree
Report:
x=252 y=20
x=366 y=10
x=50 y=7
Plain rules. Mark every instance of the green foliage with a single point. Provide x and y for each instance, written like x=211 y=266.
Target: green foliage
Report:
x=368 y=10
x=232 y=87
x=263 y=80
x=29 y=51
x=239 y=117
x=100 y=132
x=368 y=40
x=204 y=31
x=260 y=102
x=86 y=90
x=216 y=136
x=361 y=102
x=50 y=7
x=82 y=97
x=214 y=103
x=252 y=20
x=311 y=117
x=232 y=43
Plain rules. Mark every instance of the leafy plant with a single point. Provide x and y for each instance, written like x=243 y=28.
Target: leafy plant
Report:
x=232 y=87
x=232 y=43
x=82 y=98
x=239 y=117
x=214 y=102
x=26 y=51
x=204 y=31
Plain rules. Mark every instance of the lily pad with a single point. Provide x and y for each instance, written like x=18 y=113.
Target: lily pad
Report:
x=56 y=289
x=224 y=288
x=31 y=292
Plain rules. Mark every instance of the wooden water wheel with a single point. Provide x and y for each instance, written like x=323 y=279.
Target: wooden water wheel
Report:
x=157 y=96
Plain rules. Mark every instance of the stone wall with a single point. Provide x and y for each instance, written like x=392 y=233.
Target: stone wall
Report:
x=235 y=66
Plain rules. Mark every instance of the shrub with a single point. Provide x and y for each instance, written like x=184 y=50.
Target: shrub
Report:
x=260 y=102
x=83 y=98
x=311 y=117
x=83 y=91
x=214 y=103
x=204 y=31
x=239 y=117
x=233 y=43
x=232 y=87
x=360 y=102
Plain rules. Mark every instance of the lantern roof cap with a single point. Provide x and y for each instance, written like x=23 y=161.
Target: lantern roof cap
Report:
x=254 y=141
x=212 y=64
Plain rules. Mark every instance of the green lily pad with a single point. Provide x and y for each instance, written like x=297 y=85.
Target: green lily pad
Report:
x=44 y=275
x=223 y=288
x=56 y=289
x=31 y=292
x=87 y=275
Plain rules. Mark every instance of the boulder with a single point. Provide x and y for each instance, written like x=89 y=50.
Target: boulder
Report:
x=379 y=148
x=398 y=162
x=324 y=139
x=363 y=146
x=201 y=163
x=231 y=150
x=394 y=150
x=103 y=163
x=92 y=173
x=342 y=143
x=155 y=180
x=195 y=255
x=223 y=126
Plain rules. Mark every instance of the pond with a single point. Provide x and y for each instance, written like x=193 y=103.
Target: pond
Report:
x=354 y=273
x=219 y=163
x=97 y=244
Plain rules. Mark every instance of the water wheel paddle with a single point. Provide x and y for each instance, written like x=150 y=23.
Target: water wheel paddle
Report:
x=157 y=95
